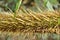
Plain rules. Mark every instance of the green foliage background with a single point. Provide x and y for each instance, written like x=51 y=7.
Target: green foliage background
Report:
x=42 y=4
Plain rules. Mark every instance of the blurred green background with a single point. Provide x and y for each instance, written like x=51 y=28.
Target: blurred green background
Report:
x=34 y=5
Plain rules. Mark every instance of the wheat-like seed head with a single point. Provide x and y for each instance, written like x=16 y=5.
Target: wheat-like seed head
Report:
x=25 y=22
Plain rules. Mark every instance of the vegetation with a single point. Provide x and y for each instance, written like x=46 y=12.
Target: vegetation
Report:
x=49 y=4
x=29 y=20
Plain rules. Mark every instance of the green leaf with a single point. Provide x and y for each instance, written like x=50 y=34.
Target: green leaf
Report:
x=18 y=3
x=49 y=6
